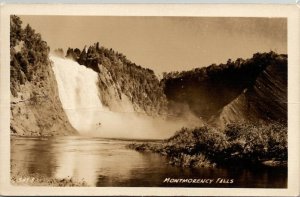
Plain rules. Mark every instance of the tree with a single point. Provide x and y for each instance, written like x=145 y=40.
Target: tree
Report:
x=16 y=32
x=29 y=36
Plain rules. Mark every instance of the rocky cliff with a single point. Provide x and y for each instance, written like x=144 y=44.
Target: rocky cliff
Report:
x=121 y=79
x=265 y=101
x=251 y=90
x=35 y=106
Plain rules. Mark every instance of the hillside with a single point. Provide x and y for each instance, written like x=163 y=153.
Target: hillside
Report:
x=118 y=76
x=243 y=90
x=265 y=101
x=35 y=106
x=244 y=105
x=251 y=90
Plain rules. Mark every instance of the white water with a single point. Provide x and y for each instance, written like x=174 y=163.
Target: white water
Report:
x=80 y=97
x=78 y=93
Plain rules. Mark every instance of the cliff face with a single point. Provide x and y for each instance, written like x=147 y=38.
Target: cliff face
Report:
x=265 y=101
x=121 y=79
x=112 y=95
x=252 y=90
x=245 y=90
x=35 y=105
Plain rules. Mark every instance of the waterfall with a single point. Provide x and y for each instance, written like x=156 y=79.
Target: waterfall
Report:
x=80 y=98
x=78 y=92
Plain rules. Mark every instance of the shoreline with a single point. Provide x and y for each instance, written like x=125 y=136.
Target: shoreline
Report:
x=185 y=160
x=245 y=144
x=19 y=178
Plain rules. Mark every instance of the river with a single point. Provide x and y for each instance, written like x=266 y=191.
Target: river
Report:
x=108 y=162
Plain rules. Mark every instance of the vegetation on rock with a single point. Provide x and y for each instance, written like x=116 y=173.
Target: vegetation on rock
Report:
x=29 y=55
x=208 y=90
x=35 y=106
x=139 y=84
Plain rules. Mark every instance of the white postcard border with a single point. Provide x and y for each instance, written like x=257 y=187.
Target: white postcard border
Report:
x=289 y=11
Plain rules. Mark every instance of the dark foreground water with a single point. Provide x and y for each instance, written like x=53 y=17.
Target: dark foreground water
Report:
x=107 y=162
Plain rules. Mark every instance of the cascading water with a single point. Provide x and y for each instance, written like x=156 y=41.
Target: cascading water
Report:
x=80 y=98
x=78 y=93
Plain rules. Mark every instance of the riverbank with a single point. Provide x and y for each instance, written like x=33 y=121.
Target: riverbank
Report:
x=74 y=160
x=247 y=144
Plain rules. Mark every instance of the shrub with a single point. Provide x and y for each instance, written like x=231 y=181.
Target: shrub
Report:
x=239 y=142
x=258 y=142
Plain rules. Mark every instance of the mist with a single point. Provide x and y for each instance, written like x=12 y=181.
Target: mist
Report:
x=80 y=97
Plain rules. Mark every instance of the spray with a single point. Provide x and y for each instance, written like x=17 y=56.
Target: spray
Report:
x=80 y=97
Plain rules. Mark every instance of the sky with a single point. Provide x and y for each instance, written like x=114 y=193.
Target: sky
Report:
x=166 y=43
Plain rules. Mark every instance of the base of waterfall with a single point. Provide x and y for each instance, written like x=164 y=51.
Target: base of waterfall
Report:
x=80 y=95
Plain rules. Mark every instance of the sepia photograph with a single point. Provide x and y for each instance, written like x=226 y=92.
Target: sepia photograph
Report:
x=148 y=101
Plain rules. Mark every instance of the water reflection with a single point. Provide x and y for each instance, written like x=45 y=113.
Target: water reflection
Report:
x=106 y=162
x=74 y=162
x=90 y=160
x=33 y=155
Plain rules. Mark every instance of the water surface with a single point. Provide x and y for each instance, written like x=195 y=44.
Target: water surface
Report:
x=107 y=162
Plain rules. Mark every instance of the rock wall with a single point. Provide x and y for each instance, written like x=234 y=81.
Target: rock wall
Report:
x=139 y=85
x=265 y=101
x=243 y=90
x=37 y=110
x=35 y=106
